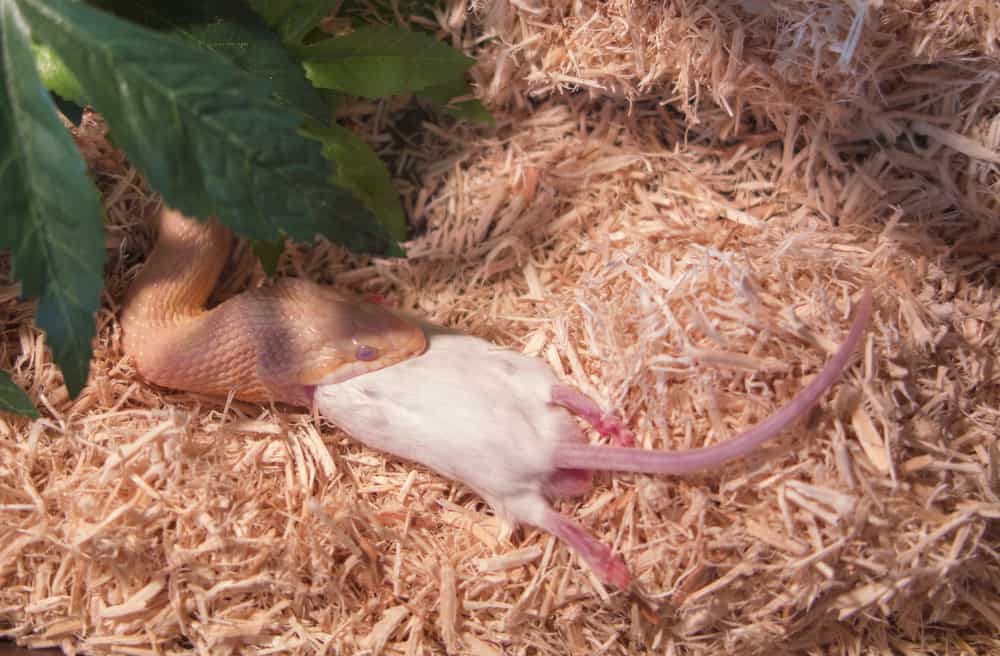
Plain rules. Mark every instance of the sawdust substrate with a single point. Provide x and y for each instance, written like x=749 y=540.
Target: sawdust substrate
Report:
x=677 y=209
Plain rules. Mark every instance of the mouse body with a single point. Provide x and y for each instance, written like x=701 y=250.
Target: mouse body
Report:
x=482 y=415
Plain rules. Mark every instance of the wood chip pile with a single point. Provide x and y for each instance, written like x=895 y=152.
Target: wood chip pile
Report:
x=677 y=209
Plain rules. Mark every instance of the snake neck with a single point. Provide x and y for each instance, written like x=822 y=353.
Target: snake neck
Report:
x=180 y=273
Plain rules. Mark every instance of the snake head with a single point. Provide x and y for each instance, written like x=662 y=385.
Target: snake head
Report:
x=317 y=336
x=378 y=338
x=354 y=338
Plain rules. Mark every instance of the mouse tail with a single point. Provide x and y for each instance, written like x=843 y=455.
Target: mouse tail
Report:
x=607 y=458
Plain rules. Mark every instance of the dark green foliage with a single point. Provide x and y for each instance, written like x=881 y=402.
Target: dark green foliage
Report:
x=242 y=36
x=206 y=134
x=52 y=221
x=293 y=19
x=231 y=29
x=360 y=168
x=268 y=251
x=378 y=61
x=13 y=399
x=470 y=110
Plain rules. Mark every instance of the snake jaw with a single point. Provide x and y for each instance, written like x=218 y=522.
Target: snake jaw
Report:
x=348 y=370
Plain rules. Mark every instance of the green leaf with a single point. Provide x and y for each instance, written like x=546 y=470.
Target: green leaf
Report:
x=231 y=29
x=380 y=61
x=294 y=19
x=206 y=134
x=470 y=110
x=361 y=169
x=51 y=212
x=268 y=252
x=68 y=96
x=12 y=398
x=55 y=76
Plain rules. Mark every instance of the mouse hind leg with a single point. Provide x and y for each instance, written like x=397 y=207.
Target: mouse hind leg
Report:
x=607 y=424
x=534 y=510
x=608 y=567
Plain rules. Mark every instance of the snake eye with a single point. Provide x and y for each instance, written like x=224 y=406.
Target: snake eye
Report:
x=366 y=353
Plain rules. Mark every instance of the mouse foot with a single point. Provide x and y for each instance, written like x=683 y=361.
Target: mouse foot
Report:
x=609 y=568
x=607 y=424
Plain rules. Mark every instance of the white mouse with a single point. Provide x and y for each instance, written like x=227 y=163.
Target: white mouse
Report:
x=502 y=423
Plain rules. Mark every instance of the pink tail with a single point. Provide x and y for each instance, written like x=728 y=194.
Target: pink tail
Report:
x=605 y=458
